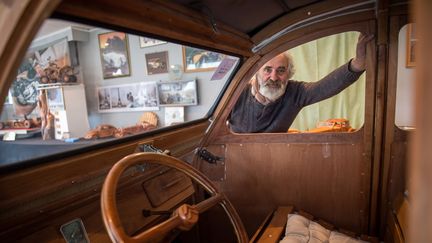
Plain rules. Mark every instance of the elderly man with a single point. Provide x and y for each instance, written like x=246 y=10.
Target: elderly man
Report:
x=272 y=100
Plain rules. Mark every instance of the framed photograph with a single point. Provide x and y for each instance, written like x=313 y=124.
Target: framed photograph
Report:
x=55 y=97
x=146 y=42
x=411 y=46
x=129 y=97
x=104 y=99
x=114 y=52
x=178 y=93
x=157 y=62
x=174 y=115
x=198 y=60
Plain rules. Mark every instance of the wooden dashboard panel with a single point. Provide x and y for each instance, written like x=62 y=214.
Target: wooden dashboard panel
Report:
x=37 y=200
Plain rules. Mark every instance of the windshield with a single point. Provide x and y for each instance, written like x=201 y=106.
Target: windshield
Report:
x=81 y=85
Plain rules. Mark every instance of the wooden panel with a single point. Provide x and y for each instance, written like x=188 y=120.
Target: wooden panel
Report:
x=261 y=228
x=33 y=198
x=165 y=185
x=168 y=20
x=393 y=233
x=132 y=200
x=299 y=15
x=275 y=229
x=393 y=152
x=397 y=171
x=215 y=172
x=328 y=180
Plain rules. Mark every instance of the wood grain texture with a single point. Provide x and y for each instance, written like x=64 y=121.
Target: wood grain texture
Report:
x=167 y=20
x=393 y=231
x=299 y=15
x=33 y=198
x=110 y=210
x=253 y=169
x=393 y=152
x=330 y=181
x=276 y=228
x=420 y=152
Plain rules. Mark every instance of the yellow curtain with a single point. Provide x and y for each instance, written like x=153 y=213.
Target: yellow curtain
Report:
x=316 y=59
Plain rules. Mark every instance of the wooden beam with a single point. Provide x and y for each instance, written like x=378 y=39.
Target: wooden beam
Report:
x=420 y=164
x=162 y=19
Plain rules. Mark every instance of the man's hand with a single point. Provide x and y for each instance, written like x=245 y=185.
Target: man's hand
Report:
x=358 y=63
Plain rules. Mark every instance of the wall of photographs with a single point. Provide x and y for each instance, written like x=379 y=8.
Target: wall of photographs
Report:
x=147 y=96
x=140 y=74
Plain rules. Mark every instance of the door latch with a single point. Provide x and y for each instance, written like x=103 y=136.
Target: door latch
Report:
x=204 y=154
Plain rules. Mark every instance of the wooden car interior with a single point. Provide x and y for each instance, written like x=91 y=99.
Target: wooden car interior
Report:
x=200 y=182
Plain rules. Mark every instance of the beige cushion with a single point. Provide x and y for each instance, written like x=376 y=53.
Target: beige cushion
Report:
x=336 y=237
x=318 y=233
x=302 y=230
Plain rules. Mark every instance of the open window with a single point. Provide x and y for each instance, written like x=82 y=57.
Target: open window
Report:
x=342 y=112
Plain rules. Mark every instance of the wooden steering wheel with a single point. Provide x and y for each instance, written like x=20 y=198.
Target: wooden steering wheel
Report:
x=183 y=218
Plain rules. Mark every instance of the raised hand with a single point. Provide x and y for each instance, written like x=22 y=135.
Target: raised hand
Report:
x=358 y=63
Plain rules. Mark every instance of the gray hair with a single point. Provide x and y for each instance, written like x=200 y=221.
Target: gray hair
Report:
x=291 y=68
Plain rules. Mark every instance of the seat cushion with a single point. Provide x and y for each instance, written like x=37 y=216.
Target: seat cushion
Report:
x=302 y=230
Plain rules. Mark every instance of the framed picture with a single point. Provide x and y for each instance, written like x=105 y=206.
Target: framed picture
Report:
x=411 y=46
x=174 y=115
x=198 y=60
x=128 y=97
x=104 y=99
x=157 y=62
x=146 y=42
x=178 y=93
x=114 y=52
x=55 y=98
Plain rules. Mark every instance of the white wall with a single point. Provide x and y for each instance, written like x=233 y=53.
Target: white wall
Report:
x=91 y=68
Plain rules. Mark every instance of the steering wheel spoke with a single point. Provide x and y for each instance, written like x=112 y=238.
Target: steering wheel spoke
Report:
x=183 y=218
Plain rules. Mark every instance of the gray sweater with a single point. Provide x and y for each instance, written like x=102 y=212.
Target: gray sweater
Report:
x=249 y=116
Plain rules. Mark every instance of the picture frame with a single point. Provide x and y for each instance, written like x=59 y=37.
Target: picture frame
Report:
x=104 y=98
x=411 y=42
x=114 y=54
x=157 y=62
x=128 y=97
x=174 y=115
x=147 y=42
x=178 y=93
x=55 y=98
x=199 y=60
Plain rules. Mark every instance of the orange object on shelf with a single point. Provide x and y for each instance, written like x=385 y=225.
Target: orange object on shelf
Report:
x=332 y=125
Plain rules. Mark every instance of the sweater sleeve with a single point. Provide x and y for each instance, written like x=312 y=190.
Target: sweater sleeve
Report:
x=330 y=85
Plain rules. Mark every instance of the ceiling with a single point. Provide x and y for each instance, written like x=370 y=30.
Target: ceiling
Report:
x=54 y=25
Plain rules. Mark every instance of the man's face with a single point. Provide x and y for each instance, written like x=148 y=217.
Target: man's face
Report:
x=273 y=77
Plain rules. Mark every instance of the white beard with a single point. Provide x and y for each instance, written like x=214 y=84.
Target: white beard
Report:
x=272 y=93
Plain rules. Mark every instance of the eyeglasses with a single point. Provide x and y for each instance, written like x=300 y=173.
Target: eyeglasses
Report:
x=279 y=71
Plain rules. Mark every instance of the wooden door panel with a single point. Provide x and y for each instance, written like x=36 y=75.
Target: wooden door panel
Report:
x=331 y=181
